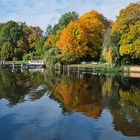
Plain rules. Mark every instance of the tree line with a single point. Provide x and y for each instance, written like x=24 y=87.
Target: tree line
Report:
x=74 y=38
x=19 y=40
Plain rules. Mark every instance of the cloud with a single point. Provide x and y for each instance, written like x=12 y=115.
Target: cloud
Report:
x=44 y=12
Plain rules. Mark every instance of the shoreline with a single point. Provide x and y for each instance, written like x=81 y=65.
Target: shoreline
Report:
x=89 y=67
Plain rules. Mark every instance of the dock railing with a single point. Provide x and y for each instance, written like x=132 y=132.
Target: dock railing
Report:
x=36 y=62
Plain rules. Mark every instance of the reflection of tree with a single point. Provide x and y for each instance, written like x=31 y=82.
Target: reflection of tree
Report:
x=122 y=96
x=131 y=97
x=68 y=93
x=81 y=95
x=127 y=118
x=107 y=87
x=11 y=87
x=88 y=95
x=14 y=86
x=128 y=126
x=51 y=79
x=34 y=95
x=110 y=88
x=90 y=101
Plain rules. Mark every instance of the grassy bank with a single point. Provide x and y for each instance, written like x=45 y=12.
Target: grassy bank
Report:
x=16 y=62
x=99 y=67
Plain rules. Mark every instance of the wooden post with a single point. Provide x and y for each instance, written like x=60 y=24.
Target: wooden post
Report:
x=68 y=70
x=78 y=71
x=13 y=65
x=63 y=69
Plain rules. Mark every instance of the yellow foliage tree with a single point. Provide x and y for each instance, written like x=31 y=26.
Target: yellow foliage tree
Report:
x=94 y=25
x=52 y=39
x=127 y=30
x=107 y=54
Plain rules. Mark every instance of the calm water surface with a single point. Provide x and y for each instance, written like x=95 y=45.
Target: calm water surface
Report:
x=50 y=106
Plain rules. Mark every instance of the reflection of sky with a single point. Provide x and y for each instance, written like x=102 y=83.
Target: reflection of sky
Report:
x=43 y=120
x=44 y=12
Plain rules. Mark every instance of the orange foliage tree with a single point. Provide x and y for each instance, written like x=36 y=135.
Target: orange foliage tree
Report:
x=73 y=39
x=84 y=37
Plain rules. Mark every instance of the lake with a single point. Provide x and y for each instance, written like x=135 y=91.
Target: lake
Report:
x=47 y=105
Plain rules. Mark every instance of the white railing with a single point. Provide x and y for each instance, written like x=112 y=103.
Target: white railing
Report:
x=36 y=62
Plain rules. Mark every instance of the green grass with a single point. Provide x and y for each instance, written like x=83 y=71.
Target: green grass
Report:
x=16 y=62
x=100 y=67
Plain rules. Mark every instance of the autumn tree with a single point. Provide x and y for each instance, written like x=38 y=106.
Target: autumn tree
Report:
x=126 y=29
x=53 y=33
x=94 y=25
x=73 y=40
x=51 y=40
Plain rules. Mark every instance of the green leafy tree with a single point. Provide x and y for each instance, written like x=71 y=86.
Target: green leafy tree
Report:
x=27 y=57
x=49 y=31
x=40 y=46
x=33 y=34
x=52 y=56
x=65 y=20
x=14 y=33
x=109 y=52
x=6 y=51
x=68 y=58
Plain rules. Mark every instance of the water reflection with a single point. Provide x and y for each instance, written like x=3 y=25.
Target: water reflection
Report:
x=15 y=85
x=103 y=105
x=91 y=95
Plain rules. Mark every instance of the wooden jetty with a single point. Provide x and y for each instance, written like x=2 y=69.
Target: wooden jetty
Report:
x=132 y=71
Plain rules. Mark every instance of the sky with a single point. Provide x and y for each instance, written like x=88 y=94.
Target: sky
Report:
x=44 y=12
